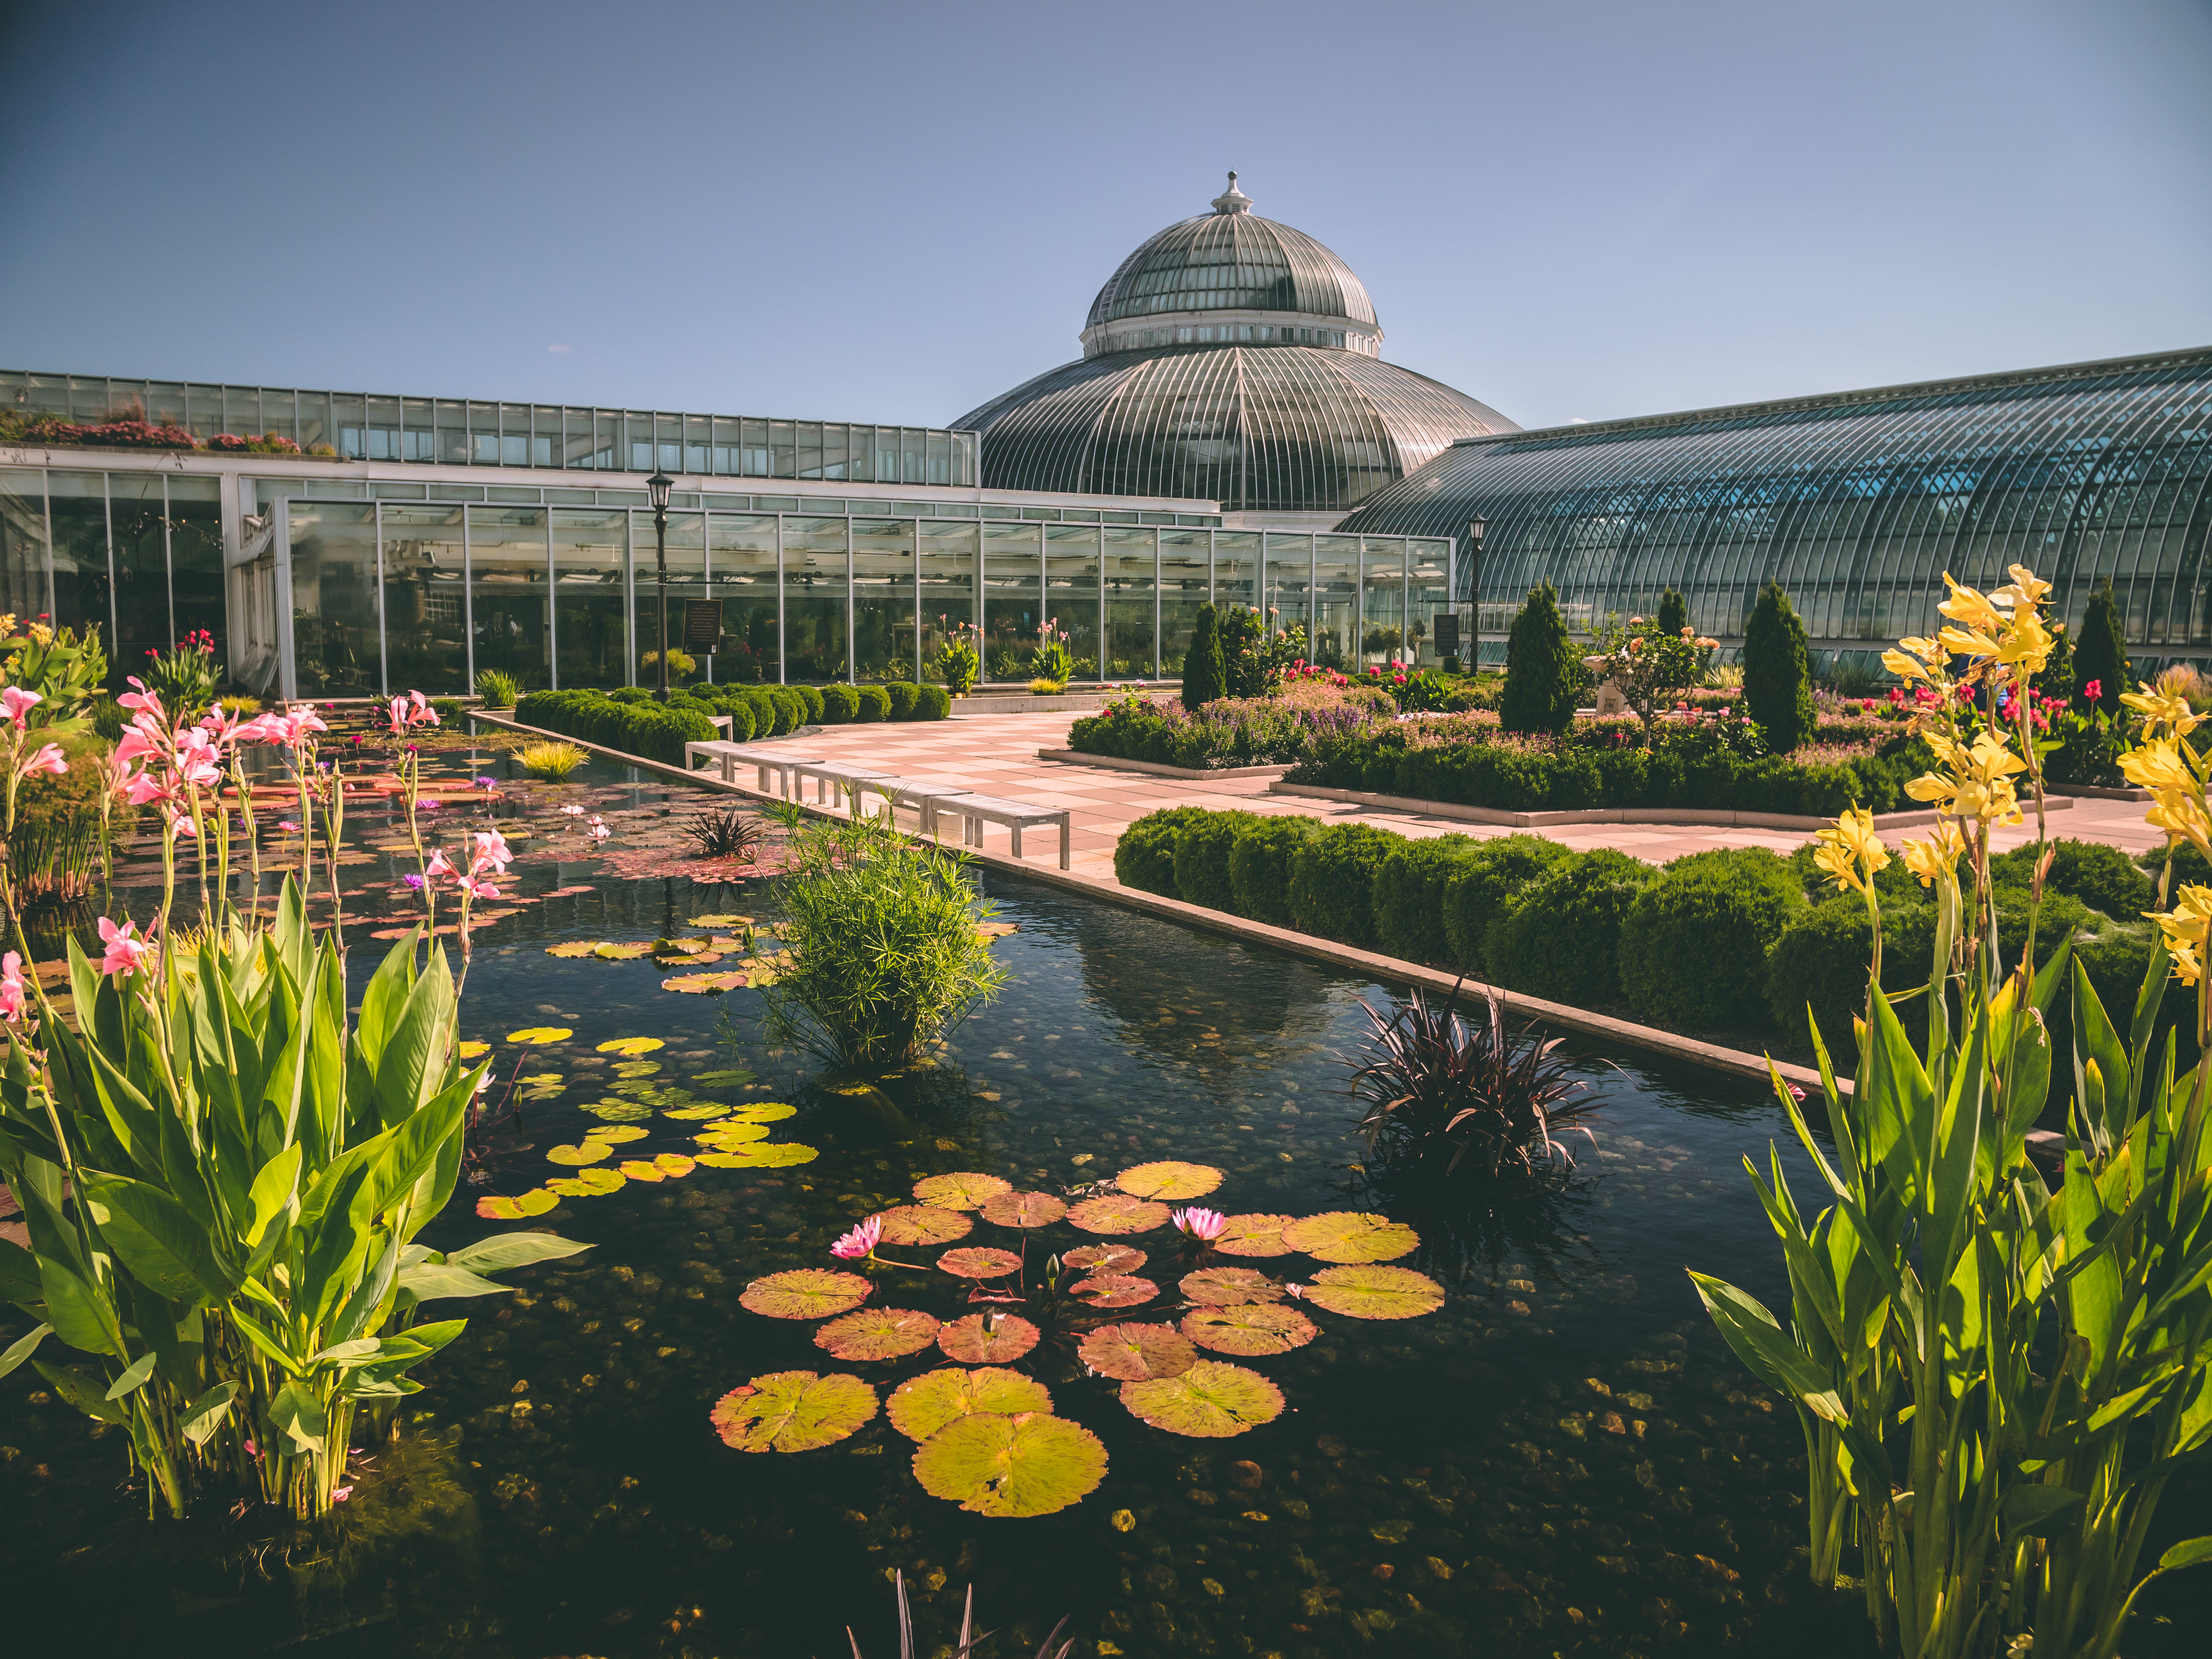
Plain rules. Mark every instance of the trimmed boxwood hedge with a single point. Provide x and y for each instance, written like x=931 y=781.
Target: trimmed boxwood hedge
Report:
x=643 y=728
x=1409 y=896
x=812 y=696
x=1485 y=887
x=903 y=694
x=1260 y=866
x=875 y=702
x=1561 y=939
x=1201 y=861
x=1143 y=858
x=840 y=704
x=1693 y=945
x=1331 y=881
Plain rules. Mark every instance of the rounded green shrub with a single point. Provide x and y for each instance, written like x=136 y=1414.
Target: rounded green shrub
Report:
x=740 y=711
x=904 y=694
x=1332 y=881
x=790 y=710
x=1561 y=939
x=1409 y=897
x=1821 y=961
x=1260 y=867
x=1143 y=858
x=840 y=703
x=2103 y=878
x=1483 y=888
x=1693 y=944
x=934 y=703
x=1201 y=859
x=812 y=696
x=875 y=702
x=629 y=694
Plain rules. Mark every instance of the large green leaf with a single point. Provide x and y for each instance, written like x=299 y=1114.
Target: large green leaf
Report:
x=81 y=1315
x=2034 y=1510
x=23 y=1348
x=1761 y=1344
x=85 y=1389
x=431 y=1281
x=298 y=1416
x=156 y=1239
x=275 y=1190
x=2095 y=1040
x=504 y=1250
x=19 y=1276
x=206 y=1414
x=134 y=1375
x=412 y=1066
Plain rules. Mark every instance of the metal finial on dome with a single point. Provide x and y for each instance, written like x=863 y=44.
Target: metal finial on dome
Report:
x=1233 y=200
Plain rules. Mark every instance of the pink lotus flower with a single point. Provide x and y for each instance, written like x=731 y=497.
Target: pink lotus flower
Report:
x=48 y=759
x=861 y=1242
x=11 y=988
x=288 y=826
x=125 y=951
x=600 y=831
x=574 y=811
x=19 y=703
x=1201 y=1224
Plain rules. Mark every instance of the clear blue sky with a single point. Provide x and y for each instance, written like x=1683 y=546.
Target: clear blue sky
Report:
x=879 y=212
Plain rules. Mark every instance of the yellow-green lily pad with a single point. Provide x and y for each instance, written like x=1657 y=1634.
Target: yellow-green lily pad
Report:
x=1169 y=1181
x=1136 y=1353
x=731 y=1133
x=793 y=1410
x=1250 y=1331
x=1022 y=1465
x=612 y=952
x=1209 y=1401
x=1372 y=1292
x=1253 y=1234
x=614 y=1134
x=711 y=983
x=722 y=922
x=590 y=1151
x=765 y=1111
x=1348 y=1236
x=924 y=1224
x=587 y=1183
x=1226 y=1287
x=717 y=1079
x=632 y=1045
x=1117 y=1213
x=762 y=1155
x=573 y=948
x=618 y=1111
x=705 y=1110
x=805 y=1293
x=537 y=1034
x=877 y=1334
x=964 y=1190
x=921 y=1406
x=474 y=1051
x=536 y=1201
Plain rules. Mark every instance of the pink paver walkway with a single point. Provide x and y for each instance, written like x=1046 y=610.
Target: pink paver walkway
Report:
x=997 y=754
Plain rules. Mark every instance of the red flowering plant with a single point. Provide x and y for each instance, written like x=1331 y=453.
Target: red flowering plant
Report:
x=1649 y=666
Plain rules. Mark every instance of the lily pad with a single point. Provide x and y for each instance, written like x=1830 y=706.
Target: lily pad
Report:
x=877 y=1334
x=717 y=1080
x=805 y=1293
x=1022 y=1465
x=979 y=1263
x=764 y=1111
x=573 y=948
x=793 y=1410
x=474 y=1051
x=575 y=1157
x=618 y=1111
x=1348 y=1236
x=1375 y=1292
x=1209 y=1401
x=1115 y=1289
x=1022 y=1210
x=534 y=1033
x=993 y=929
x=621 y=952
x=722 y=922
x=762 y=1155
x=1249 y=1330
x=729 y=1134
x=707 y=984
x=631 y=1069
x=587 y=1183
x=1135 y=1353
x=674 y=1164
x=1118 y=1213
x=638 y=1169
x=1106 y=1258
x=961 y=1190
x=536 y=1201
x=981 y=1340
x=1169 y=1181
x=705 y=1110
x=1225 y=1287
x=925 y=1404
x=924 y=1224
x=1254 y=1234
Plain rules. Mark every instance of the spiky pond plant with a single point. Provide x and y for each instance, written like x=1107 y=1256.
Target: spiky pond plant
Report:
x=1440 y=1091
x=726 y=832
x=551 y=761
x=968 y=1640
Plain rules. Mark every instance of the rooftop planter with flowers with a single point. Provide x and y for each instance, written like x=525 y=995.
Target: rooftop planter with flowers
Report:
x=46 y=431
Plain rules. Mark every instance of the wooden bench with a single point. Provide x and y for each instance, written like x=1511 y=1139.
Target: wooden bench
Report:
x=974 y=811
x=731 y=756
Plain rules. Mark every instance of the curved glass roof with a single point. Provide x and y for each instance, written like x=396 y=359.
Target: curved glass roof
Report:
x=1271 y=427
x=1858 y=503
x=1230 y=259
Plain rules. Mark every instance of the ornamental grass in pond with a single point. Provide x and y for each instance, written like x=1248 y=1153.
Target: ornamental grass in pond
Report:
x=991 y=1438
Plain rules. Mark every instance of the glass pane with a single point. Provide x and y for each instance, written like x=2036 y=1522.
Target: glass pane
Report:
x=814 y=596
x=590 y=545
x=204 y=407
x=196 y=595
x=809 y=449
x=741 y=558
x=506 y=594
x=278 y=415
x=421 y=571
x=81 y=589
x=417 y=442
x=1336 y=600
x=1428 y=592
x=1184 y=579
x=1287 y=594
x=165 y=402
x=1383 y=608
x=1236 y=569
x=334 y=635
x=1070 y=591
x=783 y=449
x=1012 y=598
x=142 y=563
x=687 y=579
x=948 y=585
x=883 y=598
x=1130 y=598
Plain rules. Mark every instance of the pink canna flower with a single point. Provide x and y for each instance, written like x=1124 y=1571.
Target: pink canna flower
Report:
x=861 y=1242
x=441 y=867
x=11 y=988
x=1201 y=1224
x=48 y=759
x=492 y=849
x=125 y=951
x=475 y=889
x=421 y=713
x=141 y=699
x=19 y=703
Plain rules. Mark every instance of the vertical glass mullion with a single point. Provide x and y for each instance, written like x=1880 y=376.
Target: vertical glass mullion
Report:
x=780 y=630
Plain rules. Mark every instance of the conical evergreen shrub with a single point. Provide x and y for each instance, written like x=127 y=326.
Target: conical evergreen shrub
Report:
x=2100 y=655
x=1778 y=673
x=1543 y=675
x=1673 y=612
x=1202 y=667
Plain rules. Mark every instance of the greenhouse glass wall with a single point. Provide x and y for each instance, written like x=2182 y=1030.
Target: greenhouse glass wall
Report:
x=1856 y=503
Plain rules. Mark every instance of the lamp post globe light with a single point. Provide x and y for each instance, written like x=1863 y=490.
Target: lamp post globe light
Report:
x=659 y=484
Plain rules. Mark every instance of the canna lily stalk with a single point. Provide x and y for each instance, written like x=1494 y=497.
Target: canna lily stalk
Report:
x=1995 y=1377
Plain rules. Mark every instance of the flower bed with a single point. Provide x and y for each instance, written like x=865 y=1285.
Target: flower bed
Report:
x=1228 y=732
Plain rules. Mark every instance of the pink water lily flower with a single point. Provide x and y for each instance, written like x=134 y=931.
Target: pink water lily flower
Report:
x=125 y=951
x=1298 y=1292
x=861 y=1242
x=1201 y=1224
x=11 y=988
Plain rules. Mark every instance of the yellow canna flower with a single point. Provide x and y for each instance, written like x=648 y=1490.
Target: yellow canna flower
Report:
x=1904 y=667
x=1929 y=651
x=1938 y=855
x=1849 y=850
x=2157 y=765
x=1979 y=784
x=2185 y=929
x=2025 y=589
x=2161 y=707
x=2180 y=814
x=1970 y=609
x=1965 y=642
x=2027 y=644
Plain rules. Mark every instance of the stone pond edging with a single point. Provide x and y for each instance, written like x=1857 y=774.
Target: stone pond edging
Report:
x=1491 y=815
x=1158 y=768
x=1733 y=1062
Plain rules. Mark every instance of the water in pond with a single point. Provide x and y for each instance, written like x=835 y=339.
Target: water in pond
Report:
x=1563 y=1459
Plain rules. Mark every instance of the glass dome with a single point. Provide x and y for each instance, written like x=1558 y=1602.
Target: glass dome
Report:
x=1230 y=359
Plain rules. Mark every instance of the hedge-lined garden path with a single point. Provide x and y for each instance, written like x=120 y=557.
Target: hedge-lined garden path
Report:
x=997 y=754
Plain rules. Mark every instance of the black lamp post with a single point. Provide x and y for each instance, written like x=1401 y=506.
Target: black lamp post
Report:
x=659 y=484
x=1475 y=527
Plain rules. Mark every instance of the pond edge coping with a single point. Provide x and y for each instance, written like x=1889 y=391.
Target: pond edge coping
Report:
x=1734 y=1062
x=1159 y=768
x=1503 y=819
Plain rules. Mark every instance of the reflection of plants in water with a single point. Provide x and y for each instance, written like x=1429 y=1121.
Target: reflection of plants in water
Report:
x=1440 y=1091
x=990 y=1438
x=1475 y=1233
